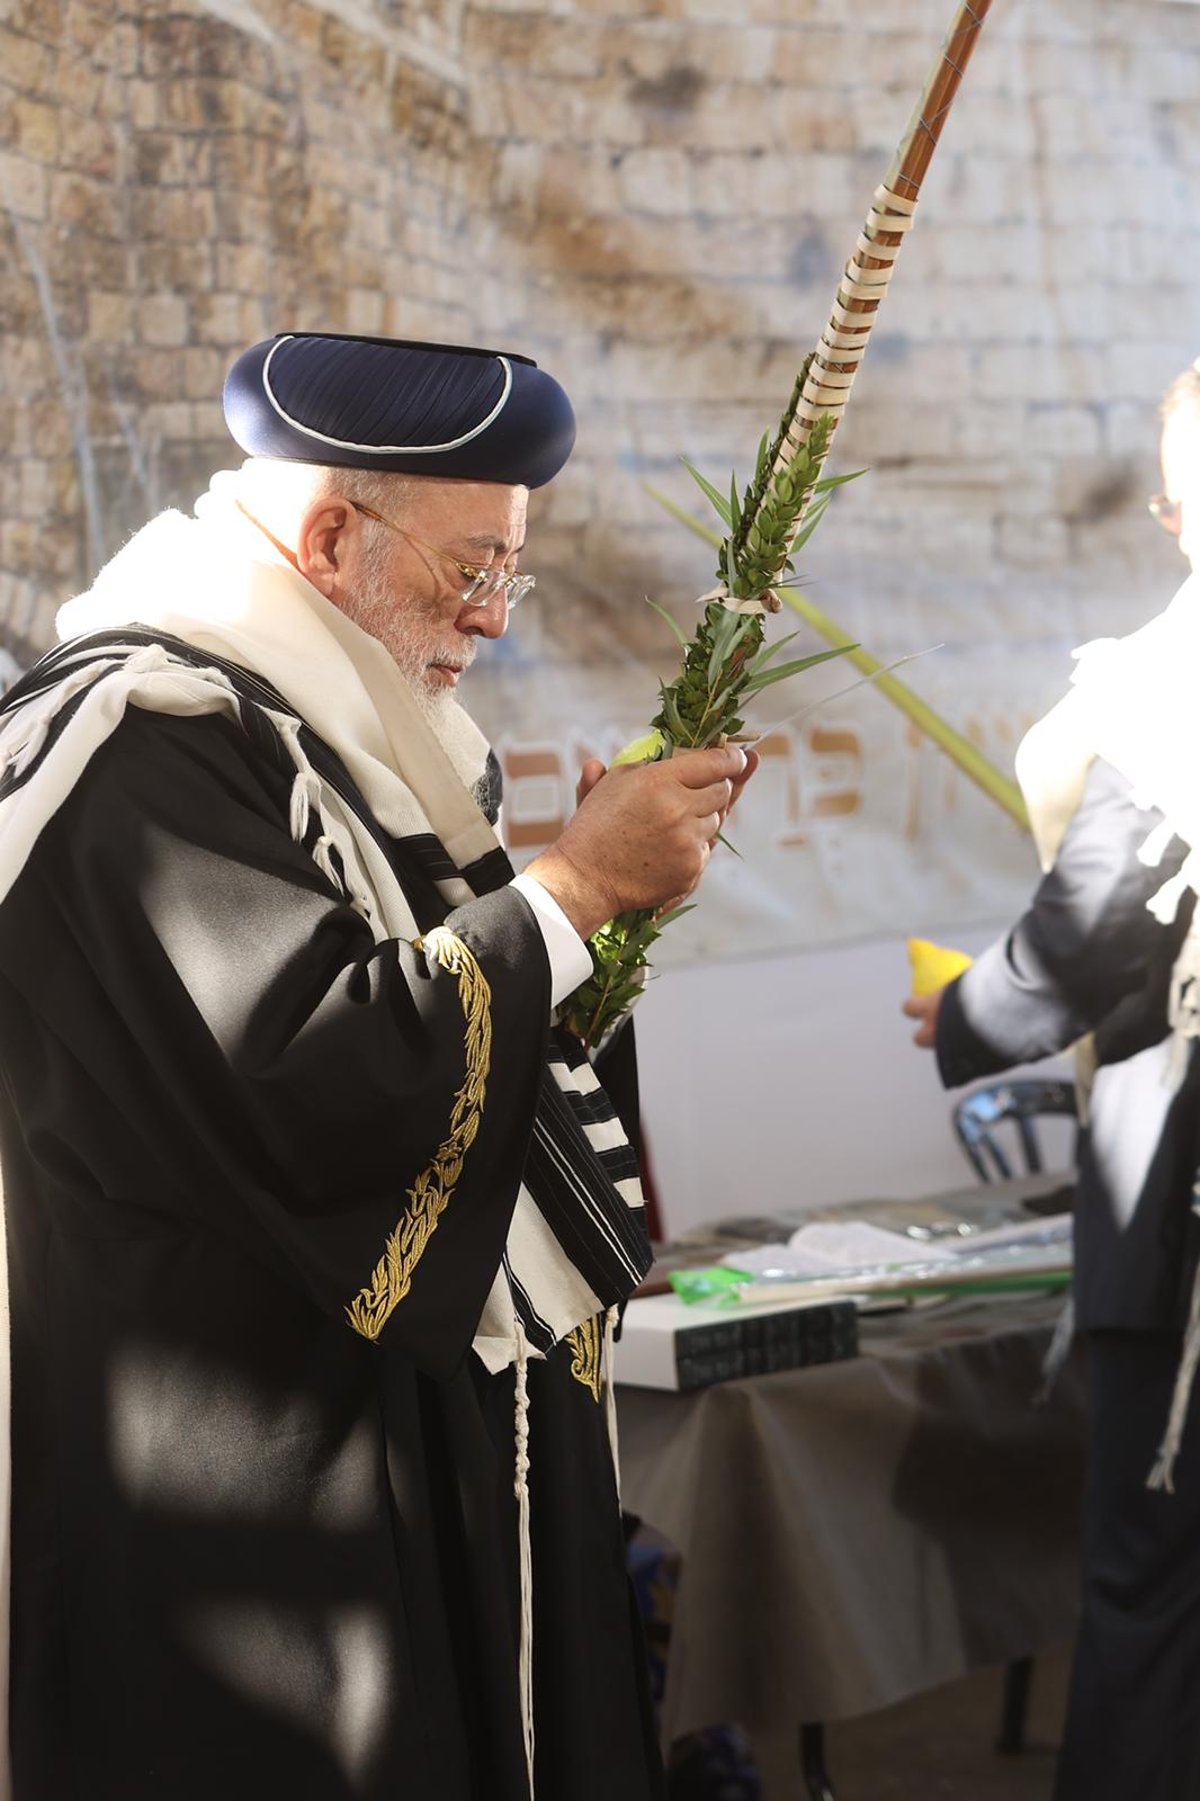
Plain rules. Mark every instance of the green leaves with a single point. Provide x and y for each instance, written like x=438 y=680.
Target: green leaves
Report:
x=702 y=703
x=725 y=663
x=619 y=955
x=765 y=676
x=680 y=635
x=720 y=505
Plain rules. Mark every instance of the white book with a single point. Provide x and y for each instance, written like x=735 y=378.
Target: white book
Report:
x=669 y=1343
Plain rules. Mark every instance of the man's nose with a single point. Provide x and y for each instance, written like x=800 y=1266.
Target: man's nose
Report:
x=488 y=621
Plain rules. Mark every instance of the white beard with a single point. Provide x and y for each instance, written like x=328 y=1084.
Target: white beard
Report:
x=376 y=612
x=456 y=732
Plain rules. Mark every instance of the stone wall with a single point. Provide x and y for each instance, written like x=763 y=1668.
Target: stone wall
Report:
x=177 y=181
x=654 y=200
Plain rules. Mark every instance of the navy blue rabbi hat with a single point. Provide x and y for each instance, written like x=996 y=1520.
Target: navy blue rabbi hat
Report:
x=388 y=403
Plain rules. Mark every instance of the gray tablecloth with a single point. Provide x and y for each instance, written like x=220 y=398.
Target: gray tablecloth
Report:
x=855 y=1533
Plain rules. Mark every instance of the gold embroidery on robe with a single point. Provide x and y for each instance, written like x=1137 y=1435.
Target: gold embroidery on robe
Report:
x=586 y=1344
x=430 y=1193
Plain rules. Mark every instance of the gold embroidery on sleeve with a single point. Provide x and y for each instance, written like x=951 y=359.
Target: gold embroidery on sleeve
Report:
x=585 y=1360
x=392 y=1277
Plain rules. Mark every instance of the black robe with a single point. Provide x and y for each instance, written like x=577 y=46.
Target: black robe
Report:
x=255 y=1555
x=1088 y=956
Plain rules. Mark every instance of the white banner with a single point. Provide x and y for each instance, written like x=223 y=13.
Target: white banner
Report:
x=854 y=827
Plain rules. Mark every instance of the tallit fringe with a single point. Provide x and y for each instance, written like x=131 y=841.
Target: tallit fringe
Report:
x=1163 y=1473
x=20 y=752
x=307 y=798
x=610 y=1398
x=1183 y=1003
x=1058 y=1350
x=521 y=1490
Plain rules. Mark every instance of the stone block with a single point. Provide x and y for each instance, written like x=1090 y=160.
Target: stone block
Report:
x=123 y=46
x=1169 y=72
x=818 y=58
x=216 y=318
x=89 y=145
x=1028 y=372
x=163 y=319
x=200 y=373
x=187 y=215
x=110 y=317
x=169 y=421
x=175 y=266
x=567 y=49
x=145 y=108
x=201 y=103
x=655 y=181
x=208 y=423
x=94 y=207
x=731 y=116
x=1042 y=543
x=24 y=186
x=19 y=546
x=41 y=19
x=35 y=129
x=86 y=26
x=28 y=64
x=573 y=181
x=1056 y=430
x=862 y=122
x=517 y=181
x=35 y=496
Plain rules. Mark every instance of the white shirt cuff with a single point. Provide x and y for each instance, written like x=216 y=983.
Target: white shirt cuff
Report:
x=569 y=957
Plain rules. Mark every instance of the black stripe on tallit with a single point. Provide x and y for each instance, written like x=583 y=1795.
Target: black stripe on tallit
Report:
x=489 y=872
x=492 y=870
x=595 y=1109
x=603 y=1238
x=48 y=671
x=591 y=1109
x=431 y=856
x=620 y=1162
x=60 y=663
x=57 y=666
x=12 y=781
x=536 y=1330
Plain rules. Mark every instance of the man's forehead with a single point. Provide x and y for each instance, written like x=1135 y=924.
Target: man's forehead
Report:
x=485 y=513
x=1181 y=450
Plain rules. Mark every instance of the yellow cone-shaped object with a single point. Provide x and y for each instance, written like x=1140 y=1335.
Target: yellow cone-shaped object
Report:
x=642 y=750
x=933 y=965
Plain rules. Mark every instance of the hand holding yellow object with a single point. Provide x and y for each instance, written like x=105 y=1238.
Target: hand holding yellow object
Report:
x=642 y=750
x=933 y=965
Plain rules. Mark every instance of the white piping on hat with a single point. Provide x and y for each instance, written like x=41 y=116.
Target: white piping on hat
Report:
x=384 y=449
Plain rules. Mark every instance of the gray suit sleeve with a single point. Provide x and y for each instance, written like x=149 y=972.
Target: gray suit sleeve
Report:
x=1086 y=952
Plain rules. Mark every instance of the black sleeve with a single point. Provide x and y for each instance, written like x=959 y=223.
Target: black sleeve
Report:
x=200 y=1026
x=1087 y=952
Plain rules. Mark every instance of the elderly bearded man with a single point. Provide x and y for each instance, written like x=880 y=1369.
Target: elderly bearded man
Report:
x=314 y=1221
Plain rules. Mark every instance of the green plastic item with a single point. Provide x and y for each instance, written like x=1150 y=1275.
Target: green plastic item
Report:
x=718 y=1285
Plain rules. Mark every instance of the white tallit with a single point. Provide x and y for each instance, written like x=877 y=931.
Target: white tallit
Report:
x=1133 y=703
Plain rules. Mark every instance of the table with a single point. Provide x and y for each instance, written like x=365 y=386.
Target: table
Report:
x=854 y=1533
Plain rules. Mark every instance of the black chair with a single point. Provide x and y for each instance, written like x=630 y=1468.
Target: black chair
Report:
x=981 y=1122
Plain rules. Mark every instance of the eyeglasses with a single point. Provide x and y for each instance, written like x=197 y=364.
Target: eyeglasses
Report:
x=482 y=584
x=1168 y=512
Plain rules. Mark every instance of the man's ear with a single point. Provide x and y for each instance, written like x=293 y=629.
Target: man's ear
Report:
x=326 y=541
